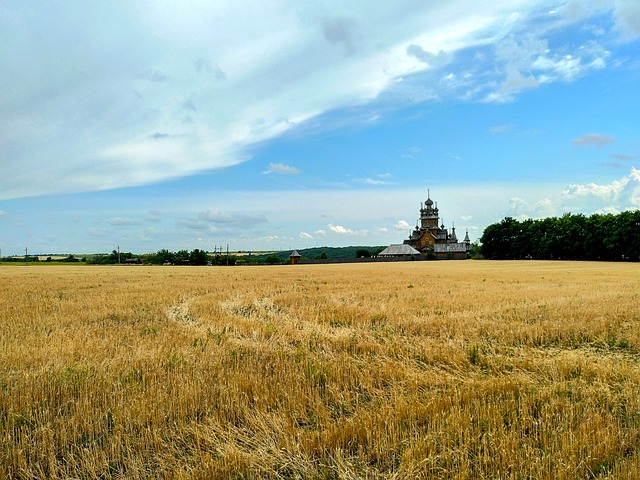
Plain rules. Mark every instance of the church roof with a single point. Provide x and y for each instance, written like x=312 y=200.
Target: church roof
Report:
x=398 y=250
x=294 y=254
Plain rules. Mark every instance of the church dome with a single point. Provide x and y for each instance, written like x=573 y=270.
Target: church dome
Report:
x=428 y=202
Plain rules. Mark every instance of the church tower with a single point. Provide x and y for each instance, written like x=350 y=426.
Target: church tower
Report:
x=429 y=238
x=429 y=215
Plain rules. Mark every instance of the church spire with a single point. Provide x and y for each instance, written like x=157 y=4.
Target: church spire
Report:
x=429 y=202
x=454 y=238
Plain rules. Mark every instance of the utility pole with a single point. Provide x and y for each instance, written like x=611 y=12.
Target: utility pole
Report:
x=227 y=254
x=118 y=254
x=26 y=255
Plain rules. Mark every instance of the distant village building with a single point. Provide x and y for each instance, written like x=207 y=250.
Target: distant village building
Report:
x=430 y=239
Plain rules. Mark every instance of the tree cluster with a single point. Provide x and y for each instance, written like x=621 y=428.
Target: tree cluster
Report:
x=184 y=257
x=569 y=237
x=113 y=258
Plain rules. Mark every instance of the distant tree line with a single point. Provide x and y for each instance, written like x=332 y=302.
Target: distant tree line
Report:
x=111 y=259
x=36 y=258
x=17 y=259
x=162 y=257
x=569 y=237
x=318 y=253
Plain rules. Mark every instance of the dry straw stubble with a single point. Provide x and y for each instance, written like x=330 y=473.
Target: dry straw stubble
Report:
x=404 y=370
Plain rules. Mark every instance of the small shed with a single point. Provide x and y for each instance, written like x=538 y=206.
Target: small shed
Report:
x=399 y=250
x=294 y=257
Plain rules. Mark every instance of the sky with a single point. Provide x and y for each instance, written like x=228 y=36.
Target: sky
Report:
x=278 y=125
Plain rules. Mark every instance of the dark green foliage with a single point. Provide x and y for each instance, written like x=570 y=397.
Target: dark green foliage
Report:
x=181 y=257
x=338 y=252
x=163 y=256
x=198 y=257
x=113 y=258
x=22 y=258
x=273 y=259
x=570 y=237
x=224 y=259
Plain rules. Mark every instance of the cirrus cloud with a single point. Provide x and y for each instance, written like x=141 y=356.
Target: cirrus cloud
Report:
x=183 y=90
x=281 y=169
x=595 y=139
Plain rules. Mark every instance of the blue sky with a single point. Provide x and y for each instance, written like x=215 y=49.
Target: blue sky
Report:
x=291 y=124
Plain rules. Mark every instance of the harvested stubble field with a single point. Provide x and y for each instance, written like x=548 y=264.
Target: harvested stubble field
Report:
x=470 y=369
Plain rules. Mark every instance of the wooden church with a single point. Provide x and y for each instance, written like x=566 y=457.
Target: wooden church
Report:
x=429 y=238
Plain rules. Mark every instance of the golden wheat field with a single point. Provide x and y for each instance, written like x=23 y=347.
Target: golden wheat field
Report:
x=469 y=369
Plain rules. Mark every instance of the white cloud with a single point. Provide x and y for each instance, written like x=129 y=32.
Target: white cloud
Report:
x=305 y=236
x=373 y=181
x=340 y=229
x=432 y=59
x=504 y=128
x=616 y=196
x=527 y=61
x=402 y=225
x=627 y=17
x=182 y=90
x=619 y=195
x=380 y=179
x=281 y=169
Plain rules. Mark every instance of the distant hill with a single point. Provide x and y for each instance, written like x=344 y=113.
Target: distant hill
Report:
x=316 y=252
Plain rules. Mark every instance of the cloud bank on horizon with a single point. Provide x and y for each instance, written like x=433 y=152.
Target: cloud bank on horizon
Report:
x=101 y=96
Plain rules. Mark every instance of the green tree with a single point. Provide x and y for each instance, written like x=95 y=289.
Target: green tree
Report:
x=198 y=257
x=569 y=237
x=182 y=257
x=272 y=259
x=161 y=257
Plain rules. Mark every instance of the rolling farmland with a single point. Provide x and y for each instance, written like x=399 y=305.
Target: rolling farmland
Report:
x=469 y=369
